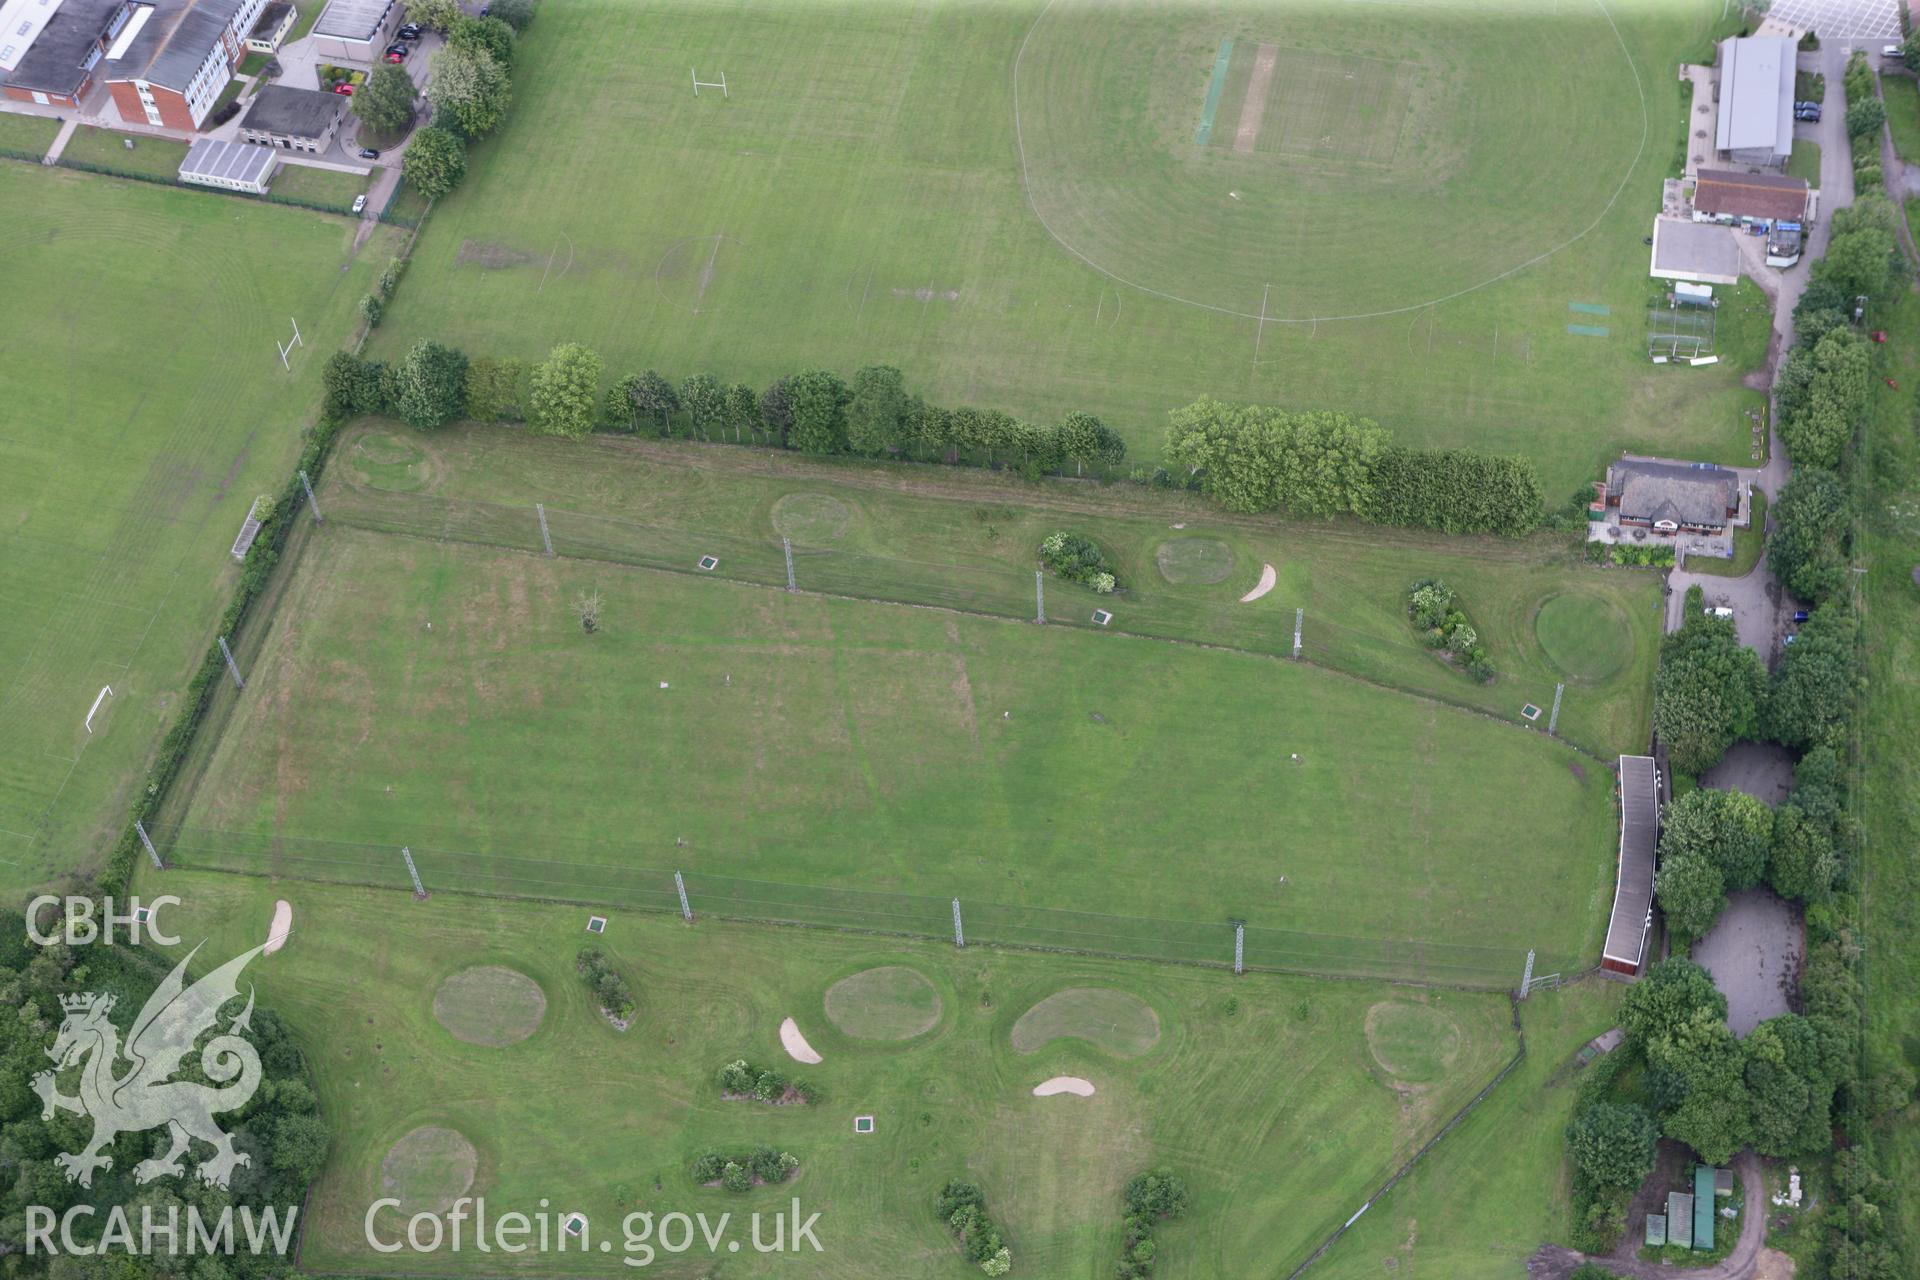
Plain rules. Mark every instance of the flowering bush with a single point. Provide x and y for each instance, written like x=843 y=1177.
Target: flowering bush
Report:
x=1077 y=559
x=1430 y=605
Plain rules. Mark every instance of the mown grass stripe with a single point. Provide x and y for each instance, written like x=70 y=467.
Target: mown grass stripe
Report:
x=1589 y=330
x=1214 y=90
x=1590 y=308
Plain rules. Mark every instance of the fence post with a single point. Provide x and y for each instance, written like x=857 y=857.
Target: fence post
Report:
x=151 y=851
x=419 y=890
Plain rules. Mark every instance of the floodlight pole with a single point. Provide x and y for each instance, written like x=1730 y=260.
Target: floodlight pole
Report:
x=1299 y=617
x=1039 y=596
x=1526 y=978
x=959 y=934
x=546 y=539
x=148 y=844
x=786 y=544
x=312 y=502
x=686 y=911
x=232 y=669
x=419 y=890
x=1239 y=947
x=1554 y=719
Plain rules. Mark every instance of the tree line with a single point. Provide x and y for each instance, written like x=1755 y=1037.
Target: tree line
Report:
x=1797 y=1083
x=814 y=411
x=1253 y=458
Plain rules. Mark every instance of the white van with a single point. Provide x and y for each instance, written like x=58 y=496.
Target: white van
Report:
x=1718 y=611
x=1893 y=51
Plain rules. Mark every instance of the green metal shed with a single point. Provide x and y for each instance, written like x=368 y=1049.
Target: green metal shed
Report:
x=1703 y=1206
x=1656 y=1229
x=1680 y=1219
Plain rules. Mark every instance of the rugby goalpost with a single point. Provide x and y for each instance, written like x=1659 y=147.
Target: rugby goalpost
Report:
x=699 y=84
x=295 y=341
x=106 y=691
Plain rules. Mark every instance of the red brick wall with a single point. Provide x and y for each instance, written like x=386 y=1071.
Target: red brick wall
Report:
x=26 y=95
x=173 y=106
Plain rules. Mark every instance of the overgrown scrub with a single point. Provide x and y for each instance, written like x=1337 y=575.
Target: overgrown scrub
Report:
x=609 y=987
x=1431 y=606
x=1153 y=1197
x=1077 y=559
x=741 y=1081
x=761 y=1167
x=963 y=1207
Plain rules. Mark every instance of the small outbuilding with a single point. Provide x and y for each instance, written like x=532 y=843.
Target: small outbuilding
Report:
x=1680 y=1219
x=232 y=165
x=1703 y=1206
x=274 y=25
x=356 y=30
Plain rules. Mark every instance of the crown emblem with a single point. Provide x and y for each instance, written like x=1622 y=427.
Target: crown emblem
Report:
x=86 y=1000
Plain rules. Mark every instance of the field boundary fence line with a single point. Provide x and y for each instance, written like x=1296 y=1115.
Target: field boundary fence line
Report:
x=992 y=590
x=612 y=882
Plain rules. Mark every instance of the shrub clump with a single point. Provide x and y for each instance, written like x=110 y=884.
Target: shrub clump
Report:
x=1430 y=604
x=741 y=1081
x=616 y=998
x=963 y=1207
x=1152 y=1197
x=762 y=1167
x=1077 y=559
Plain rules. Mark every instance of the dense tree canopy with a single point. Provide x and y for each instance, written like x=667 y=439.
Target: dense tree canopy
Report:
x=1707 y=691
x=1811 y=694
x=385 y=101
x=819 y=401
x=1692 y=891
x=1251 y=458
x=433 y=384
x=469 y=90
x=1612 y=1143
x=1810 y=545
x=563 y=391
x=435 y=161
x=1730 y=829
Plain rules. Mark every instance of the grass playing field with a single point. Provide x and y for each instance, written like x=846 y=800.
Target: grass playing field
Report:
x=1007 y=201
x=145 y=410
x=1279 y=1100
x=955 y=537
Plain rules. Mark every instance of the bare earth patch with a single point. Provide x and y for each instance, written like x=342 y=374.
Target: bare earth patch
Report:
x=1254 y=105
x=796 y=1044
x=489 y=257
x=1078 y=1086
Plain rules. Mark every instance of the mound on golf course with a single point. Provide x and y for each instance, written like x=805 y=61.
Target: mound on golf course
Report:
x=892 y=1002
x=1117 y=1021
x=428 y=1169
x=1413 y=1043
x=490 y=1004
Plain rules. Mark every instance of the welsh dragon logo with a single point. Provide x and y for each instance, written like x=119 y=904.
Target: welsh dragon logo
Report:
x=143 y=1097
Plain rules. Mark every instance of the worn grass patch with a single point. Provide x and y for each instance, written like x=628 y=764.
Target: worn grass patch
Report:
x=490 y=1005
x=428 y=1169
x=891 y=1002
x=1414 y=1043
x=1117 y=1021
x=811 y=519
x=1194 y=561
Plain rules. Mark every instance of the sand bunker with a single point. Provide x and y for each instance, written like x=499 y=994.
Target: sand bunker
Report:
x=1267 y=579
x=281 y=927
x=796 y=1044
x=1074 y=1085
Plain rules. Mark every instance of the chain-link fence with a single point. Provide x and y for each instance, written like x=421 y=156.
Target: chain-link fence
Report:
x=603 y=878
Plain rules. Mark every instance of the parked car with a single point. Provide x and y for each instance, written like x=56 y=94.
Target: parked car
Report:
x=396 y=57
x=1808 y=111
x=360 y=203
x=411 y=31
x=369 y=153
x=1799 y=615
x=344 y=90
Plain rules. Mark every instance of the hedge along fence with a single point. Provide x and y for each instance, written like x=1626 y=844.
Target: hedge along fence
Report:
x=253 y=595
x=255 y=576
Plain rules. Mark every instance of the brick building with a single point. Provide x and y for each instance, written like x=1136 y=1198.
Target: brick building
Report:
x=50 y=52
x=175 y=57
